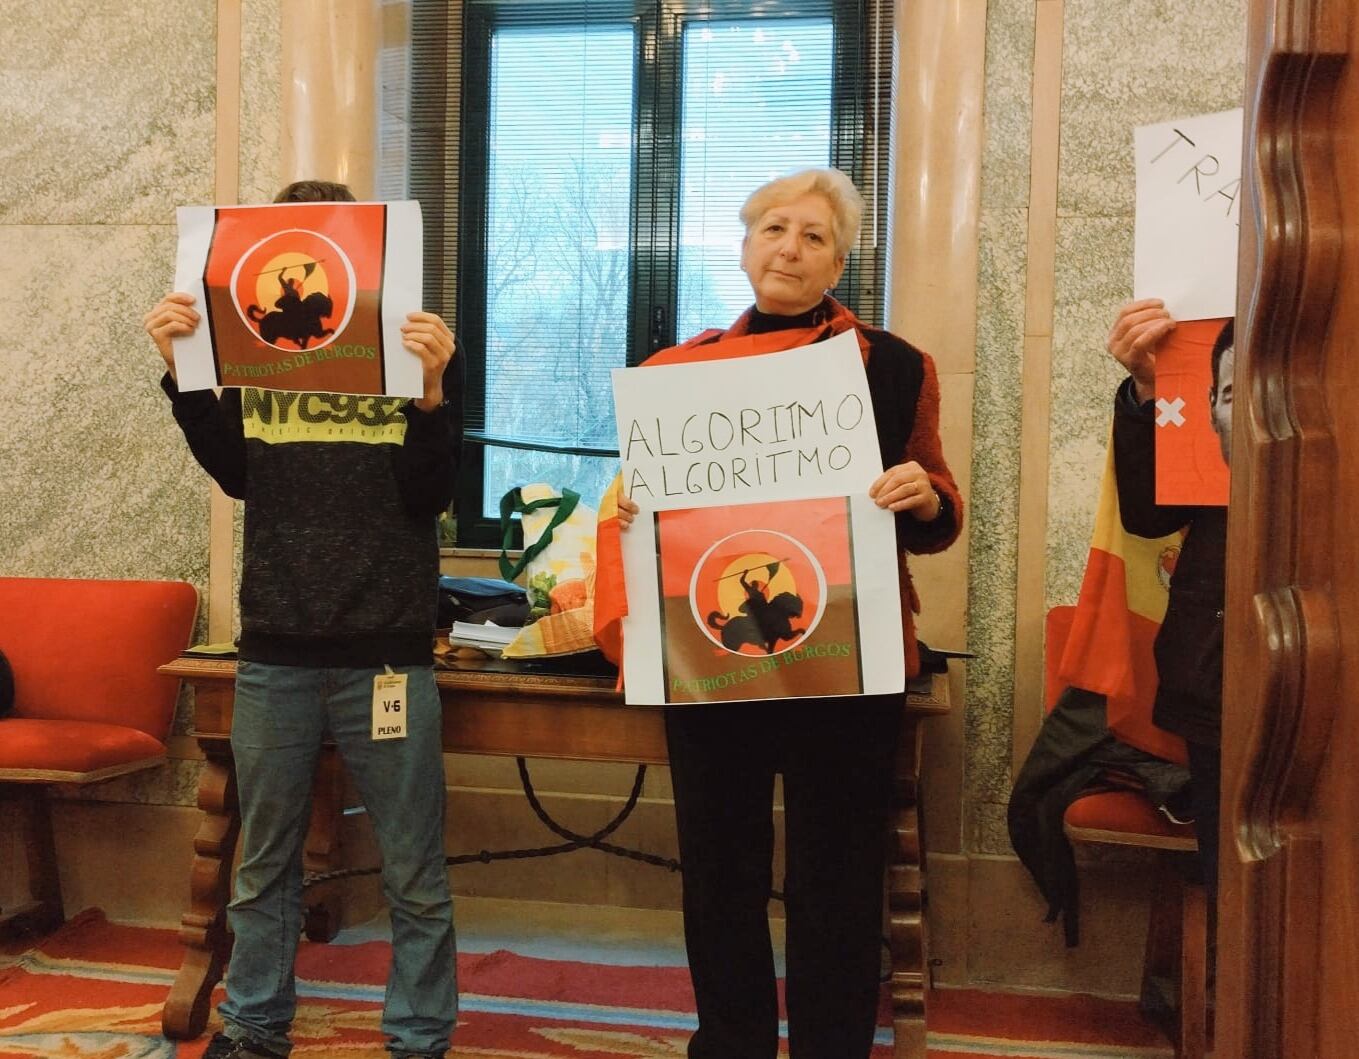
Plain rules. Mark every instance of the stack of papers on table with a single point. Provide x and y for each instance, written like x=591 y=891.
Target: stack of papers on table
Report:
x=486 y=637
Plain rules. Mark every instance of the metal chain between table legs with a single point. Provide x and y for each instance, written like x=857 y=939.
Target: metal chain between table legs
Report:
x=574 y=840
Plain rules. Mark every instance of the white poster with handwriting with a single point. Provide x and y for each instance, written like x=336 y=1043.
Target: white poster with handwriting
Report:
x=758 y=567
x=1189 y=214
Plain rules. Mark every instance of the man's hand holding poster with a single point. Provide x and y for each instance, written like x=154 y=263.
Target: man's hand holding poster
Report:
x=758 y=566
x=301 y=296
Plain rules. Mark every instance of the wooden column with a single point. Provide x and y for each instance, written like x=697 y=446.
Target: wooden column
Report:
x=330 y=91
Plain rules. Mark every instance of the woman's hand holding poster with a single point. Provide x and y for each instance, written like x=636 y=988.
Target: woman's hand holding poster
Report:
x=758 y=567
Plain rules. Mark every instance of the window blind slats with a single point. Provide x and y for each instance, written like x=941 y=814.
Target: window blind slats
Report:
x=581 y=168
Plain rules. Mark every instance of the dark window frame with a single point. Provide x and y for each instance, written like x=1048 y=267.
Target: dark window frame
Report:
x=860 y=143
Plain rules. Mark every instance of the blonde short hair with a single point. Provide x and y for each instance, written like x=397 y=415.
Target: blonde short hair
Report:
x=847 y=205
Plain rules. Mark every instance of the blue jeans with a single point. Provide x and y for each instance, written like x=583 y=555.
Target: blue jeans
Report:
x=281 y=715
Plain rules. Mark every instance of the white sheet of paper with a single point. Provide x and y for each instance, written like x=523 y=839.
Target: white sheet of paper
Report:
x=804 y=401
x=1189 y=213
x=193 y=353
x=402 y=293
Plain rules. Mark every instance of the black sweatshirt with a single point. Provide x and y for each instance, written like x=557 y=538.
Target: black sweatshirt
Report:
x=1189 y=642
x=340 y=561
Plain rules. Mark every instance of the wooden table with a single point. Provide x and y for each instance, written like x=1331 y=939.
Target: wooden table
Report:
x=515 y=715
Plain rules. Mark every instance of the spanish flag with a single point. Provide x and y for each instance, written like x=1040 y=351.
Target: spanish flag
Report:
x=1121 y=606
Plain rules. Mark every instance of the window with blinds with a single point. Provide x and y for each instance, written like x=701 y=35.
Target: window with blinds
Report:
x=581 y=167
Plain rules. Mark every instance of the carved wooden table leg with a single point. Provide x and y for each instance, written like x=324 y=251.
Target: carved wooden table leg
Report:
x=905 y=902
x=203 y=928
x=323 y=905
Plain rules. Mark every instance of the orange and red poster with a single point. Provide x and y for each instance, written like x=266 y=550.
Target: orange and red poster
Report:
x=758 y=565
x=752 y=589
x=301 y=296
x=1190 y=467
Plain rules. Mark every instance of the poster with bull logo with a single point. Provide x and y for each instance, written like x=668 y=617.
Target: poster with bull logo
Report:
x=758 y=568
x=301 y=296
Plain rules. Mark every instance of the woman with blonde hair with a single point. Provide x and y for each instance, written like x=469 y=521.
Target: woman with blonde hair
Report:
x=836 y=754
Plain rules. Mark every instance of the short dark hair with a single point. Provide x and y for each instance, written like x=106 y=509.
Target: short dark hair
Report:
x=315 y=191
x=1225 y=341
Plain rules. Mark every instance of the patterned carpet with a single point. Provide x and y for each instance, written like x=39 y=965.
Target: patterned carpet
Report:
x=94 y=990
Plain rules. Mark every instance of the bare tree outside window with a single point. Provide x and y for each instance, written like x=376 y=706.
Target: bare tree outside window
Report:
x=755 y=102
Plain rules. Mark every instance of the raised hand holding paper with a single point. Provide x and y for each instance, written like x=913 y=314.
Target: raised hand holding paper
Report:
x=301 y=296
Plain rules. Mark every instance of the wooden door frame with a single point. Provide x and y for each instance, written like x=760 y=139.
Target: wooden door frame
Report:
x=1282 y=675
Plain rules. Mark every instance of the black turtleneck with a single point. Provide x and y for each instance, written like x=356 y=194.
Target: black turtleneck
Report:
x=762 y=323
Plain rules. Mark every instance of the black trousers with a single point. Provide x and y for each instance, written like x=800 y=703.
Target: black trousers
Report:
x=836 y=756
x=1205 y=776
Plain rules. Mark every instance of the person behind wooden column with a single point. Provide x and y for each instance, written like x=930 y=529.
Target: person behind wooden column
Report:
x=836 y=755
x=1189 y=643
x=339 y=567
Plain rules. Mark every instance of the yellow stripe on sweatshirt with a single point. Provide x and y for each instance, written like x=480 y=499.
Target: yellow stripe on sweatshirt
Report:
x=276 y=416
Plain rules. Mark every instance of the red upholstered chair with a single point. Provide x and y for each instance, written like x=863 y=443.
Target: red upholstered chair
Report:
x=1177 y=936
x=88 y=702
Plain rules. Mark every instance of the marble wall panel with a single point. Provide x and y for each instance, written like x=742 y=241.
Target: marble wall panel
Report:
x=174 y=782
x=261 y=101
x=394 y=102
x=994 y=511
x=1134 y=62
x=1094 y=266
x=106 y=110
x=1008 y=113
x=107 y=122
x=98 y=481
x=987 y=830
x=1123 y=64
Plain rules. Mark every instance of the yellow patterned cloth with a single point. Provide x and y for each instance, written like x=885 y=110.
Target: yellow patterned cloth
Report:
x=568 y=564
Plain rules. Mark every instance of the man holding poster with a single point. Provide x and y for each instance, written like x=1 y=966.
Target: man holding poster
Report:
x=340 y=566
x=1172 y=418
x=1186 y=232
x=1188 y=645
x=764 y=519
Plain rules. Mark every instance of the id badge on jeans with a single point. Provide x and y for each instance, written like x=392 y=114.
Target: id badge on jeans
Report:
x=389 y=705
